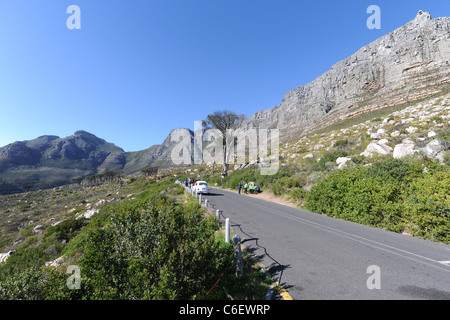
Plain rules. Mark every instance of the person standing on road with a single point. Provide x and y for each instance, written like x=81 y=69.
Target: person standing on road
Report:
x=245 y=187
x=239 y=187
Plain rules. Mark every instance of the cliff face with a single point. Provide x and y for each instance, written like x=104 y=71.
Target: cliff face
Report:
x=407 y=64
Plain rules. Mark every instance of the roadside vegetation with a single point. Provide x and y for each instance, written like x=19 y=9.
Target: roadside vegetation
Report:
x=157 y=243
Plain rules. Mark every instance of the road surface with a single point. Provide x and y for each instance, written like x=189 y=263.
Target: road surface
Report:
x=315 y=257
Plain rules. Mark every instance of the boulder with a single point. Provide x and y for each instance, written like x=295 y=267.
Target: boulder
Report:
x=403 y=150
x=411 y=129
x=88 y=214
x=342 y=162
x=375 y=136
x=376 y=148
x=38 y=228
x=435 y=149
x=5 y=256
x=55 y=263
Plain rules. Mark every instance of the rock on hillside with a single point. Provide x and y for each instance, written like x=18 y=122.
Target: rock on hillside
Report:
x=386 y=136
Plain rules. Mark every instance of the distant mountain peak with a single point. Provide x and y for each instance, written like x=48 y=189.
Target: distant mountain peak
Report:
x=83 y=133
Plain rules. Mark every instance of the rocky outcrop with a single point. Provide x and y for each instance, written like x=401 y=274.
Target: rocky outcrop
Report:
x=407 y=64
x=404 y=149
x=376 y=148
x=436 y=149
x=5 y=256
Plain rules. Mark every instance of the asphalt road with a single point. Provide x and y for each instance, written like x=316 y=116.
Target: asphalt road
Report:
x=315 y=257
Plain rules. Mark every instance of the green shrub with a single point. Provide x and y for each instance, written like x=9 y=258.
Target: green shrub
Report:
x=154 y=249
x=26 y=285
x=285 y=184
x=65 y=230
x=33 y=257
x=391 y=194
x=340 y=143
x=395 y=169
x=428 y=206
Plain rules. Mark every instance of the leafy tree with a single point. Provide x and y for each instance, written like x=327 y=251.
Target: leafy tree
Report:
x=150 y=170
x=27 y=187
x=224 y=121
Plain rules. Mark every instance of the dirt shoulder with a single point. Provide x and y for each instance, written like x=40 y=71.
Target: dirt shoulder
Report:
x=265 y=196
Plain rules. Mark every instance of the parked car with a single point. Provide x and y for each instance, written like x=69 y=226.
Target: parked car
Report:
x=201 y=187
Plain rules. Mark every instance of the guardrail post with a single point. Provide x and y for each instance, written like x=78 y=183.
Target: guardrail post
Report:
x=227 y=230
x=238 y=257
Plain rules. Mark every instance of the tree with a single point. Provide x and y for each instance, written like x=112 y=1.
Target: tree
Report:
x=150 y=170
x=27 y=187
x=224 y=121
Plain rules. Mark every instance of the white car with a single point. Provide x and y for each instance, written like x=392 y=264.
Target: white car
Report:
x=201 y=187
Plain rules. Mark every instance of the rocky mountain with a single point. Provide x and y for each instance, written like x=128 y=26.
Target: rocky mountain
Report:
x=158 y=155
x=50 y=161
x=405 y=65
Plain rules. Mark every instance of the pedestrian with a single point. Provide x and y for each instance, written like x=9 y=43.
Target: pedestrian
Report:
x=239 y=187
x=245 y=187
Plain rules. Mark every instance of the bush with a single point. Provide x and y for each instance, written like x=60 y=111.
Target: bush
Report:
x=428 y=207
x=392 y=194
x=26 y=285
x=340 y=143
x=155 y=249
x=65 y=230
x=286 y=184
x=22 y=260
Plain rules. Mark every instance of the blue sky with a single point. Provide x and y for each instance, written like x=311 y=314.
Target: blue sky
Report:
x=138 y=68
